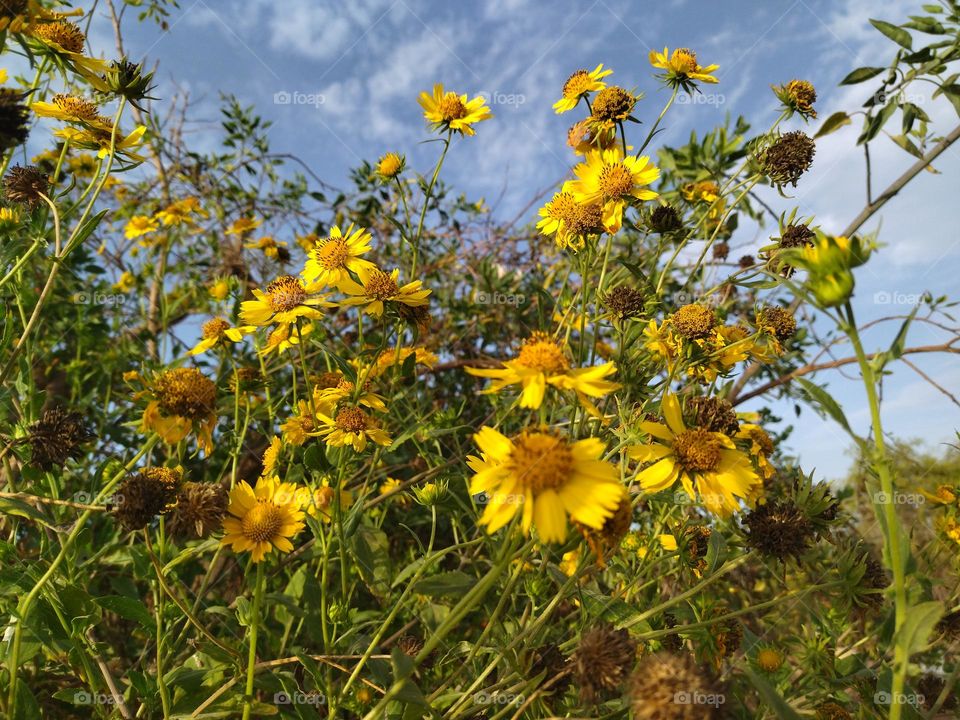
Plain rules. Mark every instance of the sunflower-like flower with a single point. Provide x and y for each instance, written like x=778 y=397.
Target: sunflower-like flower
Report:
x=580 y=84
x=283 y=337
x=215 y=331
x=449 y=111
x=66 y=41
x=344 y=389
x=270 y=247
x=182 y=400
x=286 y=299
x=102 y=139
x=73 y=109
x=612 y=180
x=569 y=221
x=319 y=502
x=541 y=362
x=140 y=225
x=390 y=166
x=761 y=447
x=681 y=67
x=243 y=226
x=393 y=358
x=180 y=212
x=798 y=96
x=376 y=288
x=707 y=463
x=353 y=426
x=331 y=260
x=263 y=518
x=547 y=479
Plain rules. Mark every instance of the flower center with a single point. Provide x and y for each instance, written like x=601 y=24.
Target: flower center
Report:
x=77 y=107
x=65 y=34
x=613 y=103
x=389 y=165
x=697 y=450
x=262 y=522
x=285 y=293
x=214 y=329
x=541 y=353
x=451 y=107
x=762 y=439
x=381 y=286
x=577 y=84
x=541 y=461
x=684 y=60
x=352 y=419
x=615 y=181
x=185 y=392
x=332 y=253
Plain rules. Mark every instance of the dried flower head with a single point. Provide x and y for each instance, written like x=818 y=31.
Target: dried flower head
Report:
x=663 y=678
x=721 y=251
x=185 y=392
x=790 y=156
x=199 y=511
x=799 y=96
x=625 y=302
x=779 y=321
x=602 y=661
x=714 y=414
x=832 y=711
x=14 y=117
x=56 y=437
x=25 y=185
x=779 y=529
x=613 y=104
x=143 y=496
x=664 y=219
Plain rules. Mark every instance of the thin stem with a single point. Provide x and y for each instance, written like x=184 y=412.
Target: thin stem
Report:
x=252 y=627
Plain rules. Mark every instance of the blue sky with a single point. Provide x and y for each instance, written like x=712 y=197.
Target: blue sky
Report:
x=365 y=62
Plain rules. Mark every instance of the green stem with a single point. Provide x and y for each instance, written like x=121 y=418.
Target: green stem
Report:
x=254 y=625
x=426 y=203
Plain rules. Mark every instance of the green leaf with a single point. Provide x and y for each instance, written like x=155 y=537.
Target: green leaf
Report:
x=898 y=35
x=776 y=702
x=833 y=123
x=918 y=626
x=861 y=74
x=454 y=583
x=128 y=608
x=822 y=401
x=13 y=506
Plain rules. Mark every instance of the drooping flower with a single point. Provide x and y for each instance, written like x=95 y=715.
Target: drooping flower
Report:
x=546 y=478
x=25 y=185
x=377 y=288
x=71 y=108
x=182 y=400
x=612 y=180
x=799 y=96
x=319 y=502
x=681 y=68
x=263 y=518
x=569 y=221
x=449 y=111
x=331 y=260
x=707 y=464
x=102 y=140
x=541 y=362
x=789 y=157
x=580 y=84
x=215 y=331
x=285 y=300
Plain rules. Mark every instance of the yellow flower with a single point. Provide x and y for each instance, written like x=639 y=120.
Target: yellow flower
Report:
x=706 y=463
x=449 y=111
x=241 y=226
x=345 y=389
x=682 y=67
x=219 y=289
x=215 y=331
x=541 y=362
x=264 y=518
x=392 y=486
x=66 y=40
x=9 y=219
x=351 y=426
x=570 y=221
x=126 y=283
x=378 y=287
x=702 y=191
x=761 y=447
x=269 y=246
x=331 y=260
x=139 y=225
x=578 y=85
x=943 y=495
x=608 y=178
x=298 y=428
x=569 y=562
x=546 y=478
x=72 y=108
x=100 y=139
x=182 y=400
x=283 y=337
x=389 y=359
x=390 y=165
x=285 y=300
x=179 y=212
x=270 y=456
x=319 y=503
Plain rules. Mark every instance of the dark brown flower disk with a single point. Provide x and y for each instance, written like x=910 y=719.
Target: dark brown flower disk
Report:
x=625 y=302
x=24 y=185
x=665 y=219
x=141 y=497
x=13 y=119
x=667 y=686
x=788 y=158
x=714 y=414
x=779 y=529
x=199 y=510
x=56 y=437
x=602 y=661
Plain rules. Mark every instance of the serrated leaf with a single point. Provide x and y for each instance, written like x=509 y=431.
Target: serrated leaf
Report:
x=897 y=34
